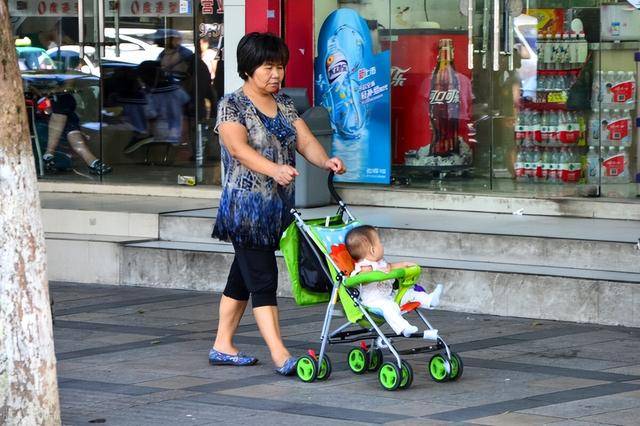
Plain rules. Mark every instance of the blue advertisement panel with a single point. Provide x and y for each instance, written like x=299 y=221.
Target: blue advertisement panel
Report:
x=353 y=85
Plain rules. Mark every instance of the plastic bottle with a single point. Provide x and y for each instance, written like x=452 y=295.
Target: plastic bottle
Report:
x=555 y=173
x=605 y=88
x=554 y=123
x=541 y=41
x=593 y=165
x=535 y=119
x=595 y=90
x=564 y=165
x=547 y=164
x=623 y=177
x=563 y=126
x=582 y=49
x=548 y=51
x=536 y=162
x=573 y=51
x=544 y=128
x=519 y=166
x=564 y=52
x=605 y=118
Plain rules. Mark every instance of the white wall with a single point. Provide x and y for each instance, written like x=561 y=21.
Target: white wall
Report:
x=234 y=29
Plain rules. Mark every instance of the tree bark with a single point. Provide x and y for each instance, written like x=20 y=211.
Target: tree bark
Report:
x=28 y=383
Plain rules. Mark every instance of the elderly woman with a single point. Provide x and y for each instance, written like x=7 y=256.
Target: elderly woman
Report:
x=260 y=133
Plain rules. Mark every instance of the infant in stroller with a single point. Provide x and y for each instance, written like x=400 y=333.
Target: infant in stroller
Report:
x=364 y=246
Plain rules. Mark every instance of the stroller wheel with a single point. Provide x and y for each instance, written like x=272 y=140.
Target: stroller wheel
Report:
x=306 y=369
x=389 y=376
x=456 y=366
x=407 y=375
x=325 y=368
x=439 y=368
x=375 y=359
x=357 y=360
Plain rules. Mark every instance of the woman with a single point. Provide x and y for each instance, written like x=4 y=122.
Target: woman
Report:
x=260 y=132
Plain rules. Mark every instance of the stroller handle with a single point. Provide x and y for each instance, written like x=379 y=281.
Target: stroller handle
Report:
x=332 y=189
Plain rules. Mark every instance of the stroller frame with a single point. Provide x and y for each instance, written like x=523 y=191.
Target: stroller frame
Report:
x=380 y=340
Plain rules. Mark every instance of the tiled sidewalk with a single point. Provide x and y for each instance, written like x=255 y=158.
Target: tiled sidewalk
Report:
x=138 y=356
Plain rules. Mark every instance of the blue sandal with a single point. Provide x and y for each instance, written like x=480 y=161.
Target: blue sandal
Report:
x=289 y=367
x=240 y=359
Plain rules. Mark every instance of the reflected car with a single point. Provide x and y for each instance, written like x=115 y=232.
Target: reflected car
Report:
x=33 y=59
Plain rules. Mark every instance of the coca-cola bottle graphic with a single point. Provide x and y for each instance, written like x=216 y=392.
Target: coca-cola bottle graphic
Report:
x=342 y=98
x=444 y=103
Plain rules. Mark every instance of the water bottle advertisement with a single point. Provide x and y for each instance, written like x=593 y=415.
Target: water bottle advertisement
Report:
x=353 y=85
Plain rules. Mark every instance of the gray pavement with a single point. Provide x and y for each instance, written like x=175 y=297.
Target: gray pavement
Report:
x=138 y=356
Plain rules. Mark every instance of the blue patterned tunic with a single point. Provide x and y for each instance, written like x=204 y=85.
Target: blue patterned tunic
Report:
x=252 y=212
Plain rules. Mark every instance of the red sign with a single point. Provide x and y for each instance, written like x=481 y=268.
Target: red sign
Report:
x=209 y=5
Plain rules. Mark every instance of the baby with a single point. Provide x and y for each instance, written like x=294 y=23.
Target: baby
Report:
x=363 y=244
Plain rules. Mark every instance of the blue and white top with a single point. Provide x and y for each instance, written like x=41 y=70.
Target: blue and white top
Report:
x=252 y=211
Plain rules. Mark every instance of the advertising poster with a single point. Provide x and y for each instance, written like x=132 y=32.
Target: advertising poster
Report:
x=353 y=85
x=431 y=98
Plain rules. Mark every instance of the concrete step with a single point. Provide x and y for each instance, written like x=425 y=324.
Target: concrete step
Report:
x=559 y=293
x=596 y=244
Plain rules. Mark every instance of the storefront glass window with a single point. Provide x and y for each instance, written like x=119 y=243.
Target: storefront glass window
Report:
x=536 y=98
x=121 y=91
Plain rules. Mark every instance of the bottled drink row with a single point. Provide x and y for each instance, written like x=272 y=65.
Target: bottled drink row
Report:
x=548 y=165
x=555 y=81
x=552 y=128
x=562 y=51
x=613 y=90
x=610 y=128
x=567 y=165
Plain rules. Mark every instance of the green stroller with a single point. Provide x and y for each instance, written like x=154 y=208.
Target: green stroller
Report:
x=319 y=268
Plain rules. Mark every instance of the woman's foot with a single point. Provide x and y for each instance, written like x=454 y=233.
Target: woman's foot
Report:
x=288 y=367
x=239 y=359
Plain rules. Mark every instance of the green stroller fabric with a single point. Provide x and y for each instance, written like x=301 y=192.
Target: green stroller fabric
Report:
x=327 y=234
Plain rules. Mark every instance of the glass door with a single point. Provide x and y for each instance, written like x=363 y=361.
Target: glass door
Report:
x=442 y=111
x=571 y=128
x=61 y=76
x=614 y=123
x=160 y=75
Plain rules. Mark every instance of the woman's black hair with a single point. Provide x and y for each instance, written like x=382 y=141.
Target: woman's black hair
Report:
x=256 y=49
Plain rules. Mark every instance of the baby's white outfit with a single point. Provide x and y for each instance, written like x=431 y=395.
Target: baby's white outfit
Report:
x=380 y=296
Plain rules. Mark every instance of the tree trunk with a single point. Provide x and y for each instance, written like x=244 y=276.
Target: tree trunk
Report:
x=28 y=384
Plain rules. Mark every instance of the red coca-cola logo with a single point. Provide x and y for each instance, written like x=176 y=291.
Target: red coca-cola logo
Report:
x=622 y=92
x=135 y=7
x=42 y=8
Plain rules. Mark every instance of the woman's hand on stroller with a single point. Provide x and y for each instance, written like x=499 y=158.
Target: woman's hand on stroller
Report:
x=335 y=165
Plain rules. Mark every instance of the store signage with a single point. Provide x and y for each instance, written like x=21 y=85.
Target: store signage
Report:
x=353 y=84
x=209 y=6
x=43 y=8
x=152 y=8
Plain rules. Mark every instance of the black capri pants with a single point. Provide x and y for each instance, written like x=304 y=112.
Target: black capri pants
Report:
x=254 y=272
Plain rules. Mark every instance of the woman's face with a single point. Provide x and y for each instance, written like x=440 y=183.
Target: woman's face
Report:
x=267 y=77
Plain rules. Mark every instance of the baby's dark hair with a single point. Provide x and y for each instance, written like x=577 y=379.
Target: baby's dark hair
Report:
x=358 y=241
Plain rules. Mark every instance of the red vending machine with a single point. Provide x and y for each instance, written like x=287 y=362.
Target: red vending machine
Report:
x=431 y=97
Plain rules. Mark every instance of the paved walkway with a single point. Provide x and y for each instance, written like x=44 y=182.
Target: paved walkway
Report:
x=137 y=356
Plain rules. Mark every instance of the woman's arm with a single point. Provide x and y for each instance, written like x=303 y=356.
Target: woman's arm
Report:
x=234 y=138
x=309 y=147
